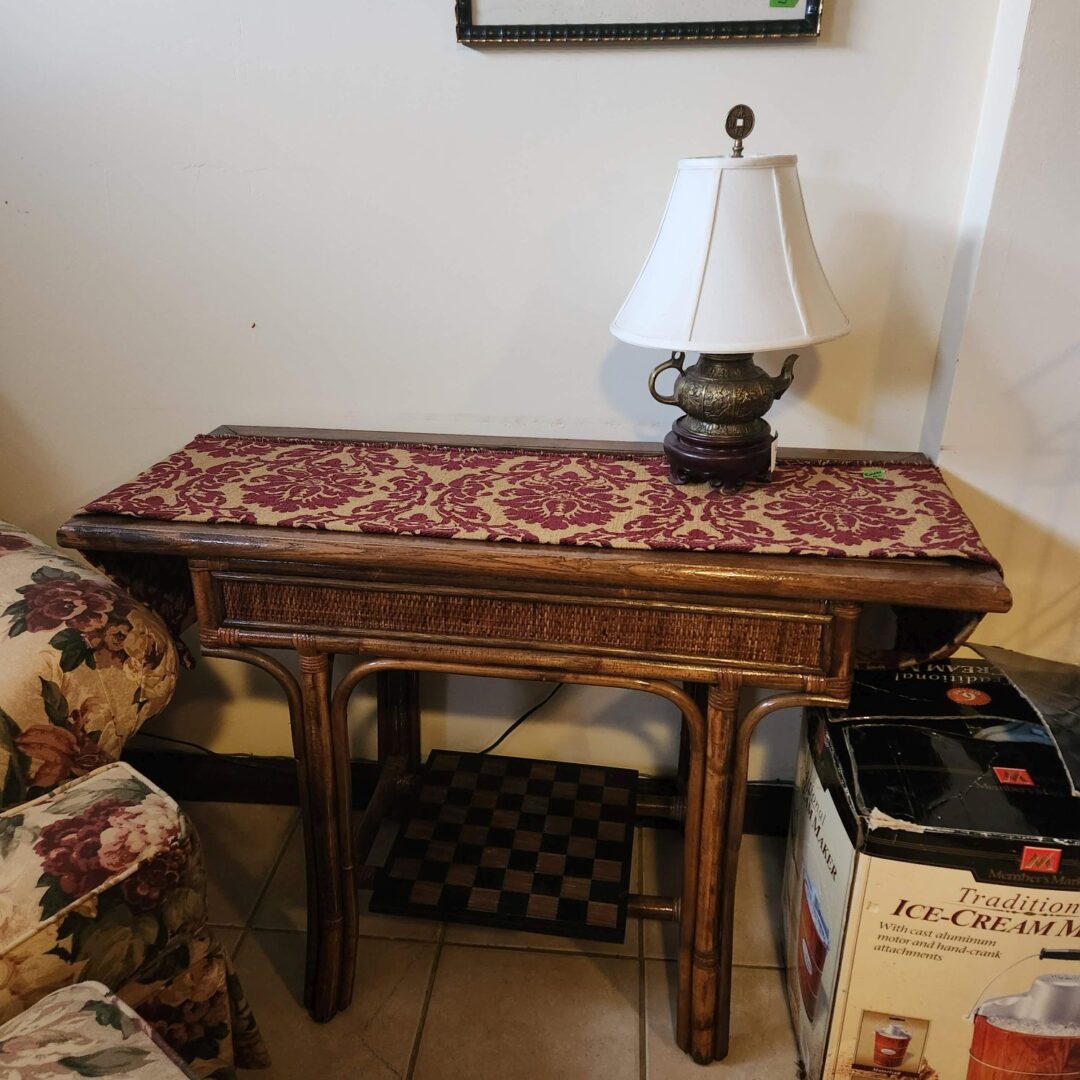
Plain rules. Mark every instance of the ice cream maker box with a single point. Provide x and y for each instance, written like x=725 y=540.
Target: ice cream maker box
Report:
x=932 y=881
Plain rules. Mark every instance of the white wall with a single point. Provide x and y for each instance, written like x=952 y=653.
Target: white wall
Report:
x=1002 y=77
x=332 y=214
x=1011 y=445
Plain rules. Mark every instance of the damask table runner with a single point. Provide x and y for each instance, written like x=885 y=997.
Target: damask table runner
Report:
x=594 y=499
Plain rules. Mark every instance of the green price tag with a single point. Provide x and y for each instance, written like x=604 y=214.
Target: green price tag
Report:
x=874 y=474
x=783 y=3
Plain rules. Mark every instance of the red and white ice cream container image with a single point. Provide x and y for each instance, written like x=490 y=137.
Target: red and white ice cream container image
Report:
x=891 y=1042
x=1030 y=1036
x=813 y=947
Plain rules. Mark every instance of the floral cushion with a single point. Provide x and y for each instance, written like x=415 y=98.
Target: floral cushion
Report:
x=103 y=880
x=83 y=1030
x=82 y=666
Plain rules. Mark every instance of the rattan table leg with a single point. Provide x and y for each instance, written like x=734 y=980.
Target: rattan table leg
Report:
x=693 y=727
x=331 y=911
x=398 y=696
x=712 y=883
x=342 y=768
x=733 y=842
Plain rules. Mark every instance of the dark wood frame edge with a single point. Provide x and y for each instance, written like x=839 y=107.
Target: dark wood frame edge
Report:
x=601 y=446
x=240 y=778
x=469 y=33
x=950 y=583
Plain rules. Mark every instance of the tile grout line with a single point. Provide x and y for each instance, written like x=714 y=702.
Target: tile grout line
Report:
x=239 y=942
x=422 y=1020
x=372 y=936
x=748 y=967
x=268 y=879
x=532 y=949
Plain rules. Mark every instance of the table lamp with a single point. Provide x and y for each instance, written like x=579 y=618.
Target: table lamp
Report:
x=732 y=271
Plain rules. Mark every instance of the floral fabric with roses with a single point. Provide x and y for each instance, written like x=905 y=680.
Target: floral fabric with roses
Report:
x=103 y=880
x=83 y=1030
x=82 y=666
x=549 y=497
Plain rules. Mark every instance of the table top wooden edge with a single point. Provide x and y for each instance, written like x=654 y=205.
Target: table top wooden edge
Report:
x=962 y=585
x=503 y=442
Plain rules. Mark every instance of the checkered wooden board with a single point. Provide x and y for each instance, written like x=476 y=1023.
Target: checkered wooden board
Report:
x=515 y=843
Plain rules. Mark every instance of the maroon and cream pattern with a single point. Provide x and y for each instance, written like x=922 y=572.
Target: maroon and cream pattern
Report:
x=548 y=497
x=85 y=1030
x=82 y=667
x=102 y=879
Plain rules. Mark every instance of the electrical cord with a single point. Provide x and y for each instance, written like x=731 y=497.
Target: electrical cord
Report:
x=251 y=761
x=522 y=718
x=188 y=742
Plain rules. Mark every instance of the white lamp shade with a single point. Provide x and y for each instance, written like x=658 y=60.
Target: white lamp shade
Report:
x=733 y=268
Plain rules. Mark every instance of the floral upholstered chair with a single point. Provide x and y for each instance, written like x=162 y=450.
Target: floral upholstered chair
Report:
x=84 y=1030
x=82 y=666
x=101 y=877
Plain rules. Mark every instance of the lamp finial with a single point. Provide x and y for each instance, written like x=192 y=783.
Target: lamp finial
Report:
x=739 y=124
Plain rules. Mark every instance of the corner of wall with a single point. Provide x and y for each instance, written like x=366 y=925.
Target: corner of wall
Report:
x=1002 y=76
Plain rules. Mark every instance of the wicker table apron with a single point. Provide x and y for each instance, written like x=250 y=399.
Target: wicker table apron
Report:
x=692 y=626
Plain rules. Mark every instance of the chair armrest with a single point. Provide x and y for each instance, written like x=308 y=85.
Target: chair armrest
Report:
x=82 y=667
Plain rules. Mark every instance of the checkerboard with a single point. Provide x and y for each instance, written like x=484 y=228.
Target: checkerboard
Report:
x=515 y=843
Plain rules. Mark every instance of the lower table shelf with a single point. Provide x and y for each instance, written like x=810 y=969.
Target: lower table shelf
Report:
x=516 y=843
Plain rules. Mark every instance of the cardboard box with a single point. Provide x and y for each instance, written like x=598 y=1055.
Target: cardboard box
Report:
x=932 y=886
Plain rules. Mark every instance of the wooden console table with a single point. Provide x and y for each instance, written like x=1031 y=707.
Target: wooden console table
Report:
x=692 y=627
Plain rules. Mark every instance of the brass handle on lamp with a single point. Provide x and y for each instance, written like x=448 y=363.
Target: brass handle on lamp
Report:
x=674 y=361
x=785 y=378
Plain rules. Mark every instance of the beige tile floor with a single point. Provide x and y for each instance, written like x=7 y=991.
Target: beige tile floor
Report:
x=435 y=1002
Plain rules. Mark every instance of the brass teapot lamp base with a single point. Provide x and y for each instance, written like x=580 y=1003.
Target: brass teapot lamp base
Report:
x=722 y=436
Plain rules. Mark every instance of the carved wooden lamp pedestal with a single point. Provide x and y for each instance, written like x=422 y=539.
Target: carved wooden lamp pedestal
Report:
x=733 y=271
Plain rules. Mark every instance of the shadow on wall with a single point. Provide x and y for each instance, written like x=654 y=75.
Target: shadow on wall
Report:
x=887 y=358
x=1042 y=569
x=1011 y=398
x=957 y=300
x=895 y=335
x=225 y=706
x=235 y=708
x=27 y=478
x=1012 y=438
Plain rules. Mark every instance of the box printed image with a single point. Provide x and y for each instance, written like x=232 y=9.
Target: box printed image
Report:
x=815 y=905
x=891 y=1043
x=1036 y=1033
x=813 y=947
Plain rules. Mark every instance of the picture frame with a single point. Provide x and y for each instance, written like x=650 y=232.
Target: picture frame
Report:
x=627 y=22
